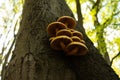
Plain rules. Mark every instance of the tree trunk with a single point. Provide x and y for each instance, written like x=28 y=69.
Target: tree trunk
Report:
x=34 y=59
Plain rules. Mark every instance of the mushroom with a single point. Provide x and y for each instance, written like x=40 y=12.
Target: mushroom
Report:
x=77 y=39
x=60 y=42
x=68 y=21
x=78 y=34
x=64 y=32
x=50 y=39
x=72 y=30
x=82 y=41
x=54 y=27
x=76 y=48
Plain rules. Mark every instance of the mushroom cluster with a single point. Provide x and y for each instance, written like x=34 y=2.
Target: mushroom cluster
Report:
x=65 y=37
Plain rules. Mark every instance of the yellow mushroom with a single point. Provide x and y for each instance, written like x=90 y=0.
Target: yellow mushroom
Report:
x=64 y=32
x=76 y=48
x=68 y=21
x=78 y=34
x=54 y=27
x=77 y=39
x=60 y=42
x=50 y=39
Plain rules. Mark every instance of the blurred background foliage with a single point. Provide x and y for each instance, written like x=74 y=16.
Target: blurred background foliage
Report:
x=10 y=16
x=101 y=20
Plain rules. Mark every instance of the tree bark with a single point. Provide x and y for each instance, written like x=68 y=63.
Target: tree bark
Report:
x=34 y=59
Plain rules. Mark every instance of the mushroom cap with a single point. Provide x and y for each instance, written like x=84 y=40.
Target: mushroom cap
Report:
x=56 y=42
x=64 y=32
x=76 y=48
x=72 y=30
x=52 y=27
x=77 y=39
x=82 y=41
x=51 y=38
x=78 y=34
x=71 y=23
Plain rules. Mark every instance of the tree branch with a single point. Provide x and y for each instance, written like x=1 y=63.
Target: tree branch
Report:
x=114 y=58
x=96 y=4
x=79 y=13
x=96 y=7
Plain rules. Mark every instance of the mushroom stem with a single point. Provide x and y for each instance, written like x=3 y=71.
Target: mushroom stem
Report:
x=62 y=45
x=73 y=52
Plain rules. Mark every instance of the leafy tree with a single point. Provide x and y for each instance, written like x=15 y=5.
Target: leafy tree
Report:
x=101 y=15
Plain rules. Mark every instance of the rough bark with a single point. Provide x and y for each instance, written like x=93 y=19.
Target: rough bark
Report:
x=34 y=59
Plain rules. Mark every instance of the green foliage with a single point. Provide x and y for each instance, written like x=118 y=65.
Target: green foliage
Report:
x=0 y=58
x=102 y=24
x=117 y=41
x=72 y=5
x=83 y=1
x=10 y=14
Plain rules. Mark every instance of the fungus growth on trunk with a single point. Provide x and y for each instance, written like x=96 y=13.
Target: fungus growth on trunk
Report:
x=65 y=37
